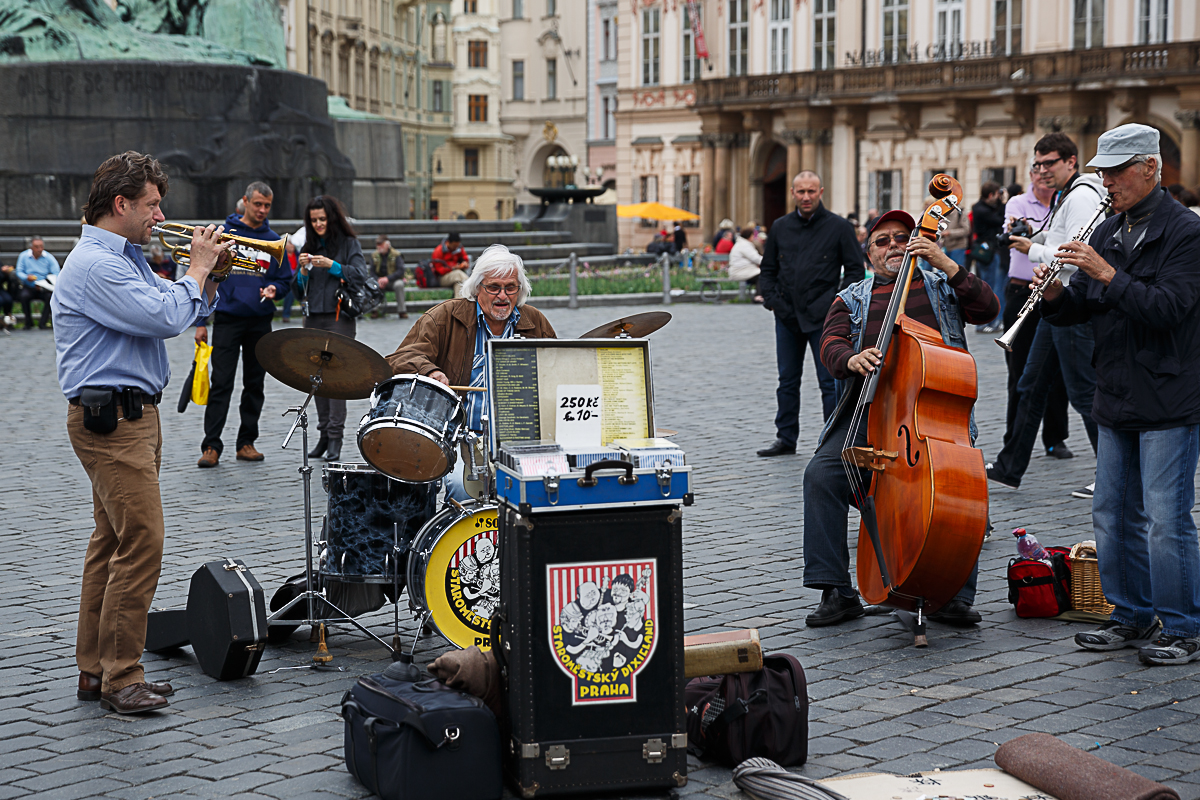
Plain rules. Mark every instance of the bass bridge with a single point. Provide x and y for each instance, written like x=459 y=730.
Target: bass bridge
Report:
x=869 y=457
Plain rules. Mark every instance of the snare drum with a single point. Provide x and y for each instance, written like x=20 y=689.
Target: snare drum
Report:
x=367 y=512
x=410 y=431
x=454 y=574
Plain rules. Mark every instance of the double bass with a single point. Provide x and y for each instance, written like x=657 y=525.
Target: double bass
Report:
x=924 y=514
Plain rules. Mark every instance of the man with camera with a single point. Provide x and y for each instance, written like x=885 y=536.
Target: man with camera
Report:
x=1056 y=160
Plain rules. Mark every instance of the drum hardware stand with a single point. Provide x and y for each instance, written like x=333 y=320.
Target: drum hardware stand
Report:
x=322 y=656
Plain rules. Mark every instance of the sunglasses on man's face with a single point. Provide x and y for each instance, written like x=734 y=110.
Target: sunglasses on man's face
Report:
x=883 y=241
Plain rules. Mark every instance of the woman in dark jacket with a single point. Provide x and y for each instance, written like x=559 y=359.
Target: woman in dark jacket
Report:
x=331 y=255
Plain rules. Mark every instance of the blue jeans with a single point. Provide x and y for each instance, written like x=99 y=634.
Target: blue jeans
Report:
x=789 y=354
x=1145 y=534
x=958 y=256
x=289 y=300
x=993 y=274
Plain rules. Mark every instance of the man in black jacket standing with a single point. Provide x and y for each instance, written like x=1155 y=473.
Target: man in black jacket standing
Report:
x=811 y=254
x=1139 y=285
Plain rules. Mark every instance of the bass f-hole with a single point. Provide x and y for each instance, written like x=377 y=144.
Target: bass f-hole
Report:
x=908 y=451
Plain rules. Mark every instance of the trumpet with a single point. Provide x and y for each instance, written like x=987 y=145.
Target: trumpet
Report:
x=1006 y=341
x=237 y=259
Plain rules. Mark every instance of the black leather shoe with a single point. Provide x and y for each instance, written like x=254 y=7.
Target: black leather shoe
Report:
x=1059 y=450
x=834 y=609
x=957 y=612
x=319 y=450
x=994 y=475
x=334 y=451
x=778 y=448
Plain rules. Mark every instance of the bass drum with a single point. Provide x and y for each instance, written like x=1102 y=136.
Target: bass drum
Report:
x=454 y=574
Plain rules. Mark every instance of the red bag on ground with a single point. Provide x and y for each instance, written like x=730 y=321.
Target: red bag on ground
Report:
x=1038 y=589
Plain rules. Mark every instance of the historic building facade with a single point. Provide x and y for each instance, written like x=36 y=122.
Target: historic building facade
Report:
x=386 y=57
x=878 y=103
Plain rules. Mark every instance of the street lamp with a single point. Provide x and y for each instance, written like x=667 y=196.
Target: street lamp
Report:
x=565 y=165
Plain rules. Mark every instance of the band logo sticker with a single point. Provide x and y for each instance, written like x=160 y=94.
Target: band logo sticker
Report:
x=603 y=626
x=473 y=579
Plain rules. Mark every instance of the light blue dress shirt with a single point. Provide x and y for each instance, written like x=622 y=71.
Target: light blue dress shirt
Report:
x=477 y=401
x=112 y=313
x=41 y=267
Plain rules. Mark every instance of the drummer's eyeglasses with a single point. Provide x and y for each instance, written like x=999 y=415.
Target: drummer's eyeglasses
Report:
x=495 y=288
x=884 y=241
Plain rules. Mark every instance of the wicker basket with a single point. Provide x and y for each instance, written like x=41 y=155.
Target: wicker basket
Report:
x=1086 y=594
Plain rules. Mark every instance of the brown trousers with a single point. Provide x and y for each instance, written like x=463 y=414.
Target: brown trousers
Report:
x=124 y=555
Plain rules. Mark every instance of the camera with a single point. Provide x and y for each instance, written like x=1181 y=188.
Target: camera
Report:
x=1020 y=227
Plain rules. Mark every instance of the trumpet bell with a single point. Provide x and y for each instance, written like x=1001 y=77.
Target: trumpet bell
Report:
x=182 y=253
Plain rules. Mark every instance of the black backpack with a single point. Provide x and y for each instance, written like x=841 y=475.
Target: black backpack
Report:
x=734 y=717
x=358 y=299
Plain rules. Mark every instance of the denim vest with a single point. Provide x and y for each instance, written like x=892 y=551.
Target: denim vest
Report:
x=945 y=304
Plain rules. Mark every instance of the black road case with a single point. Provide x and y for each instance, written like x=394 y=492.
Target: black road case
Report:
x=591 y=645
x=226 y=619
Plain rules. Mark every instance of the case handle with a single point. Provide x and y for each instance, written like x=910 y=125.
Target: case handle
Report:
x=588 y=480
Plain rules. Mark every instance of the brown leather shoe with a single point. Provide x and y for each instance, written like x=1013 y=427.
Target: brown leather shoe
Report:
x=89 y=687
x=209 y=459
x=134 y=699
x=247 y=453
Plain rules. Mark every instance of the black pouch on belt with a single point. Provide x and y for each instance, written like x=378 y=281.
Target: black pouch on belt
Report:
x=131 y=403
x=99 y=410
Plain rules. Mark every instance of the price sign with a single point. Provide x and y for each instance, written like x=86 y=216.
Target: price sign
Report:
x=577 y=415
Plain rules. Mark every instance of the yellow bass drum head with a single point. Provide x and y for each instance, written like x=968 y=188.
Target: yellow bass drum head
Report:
x=461 y=586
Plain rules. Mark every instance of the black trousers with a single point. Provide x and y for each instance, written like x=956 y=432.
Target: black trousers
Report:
x=1055 y=428
x=28 y=295
x=230 y=337
x=331 y=414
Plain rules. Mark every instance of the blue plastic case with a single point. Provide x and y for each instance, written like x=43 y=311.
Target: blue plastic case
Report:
x=612 y=489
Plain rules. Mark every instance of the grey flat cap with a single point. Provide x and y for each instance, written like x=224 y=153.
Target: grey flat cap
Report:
x=1122 y=143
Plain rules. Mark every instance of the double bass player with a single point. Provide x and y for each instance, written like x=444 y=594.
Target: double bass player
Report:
x=945 y=299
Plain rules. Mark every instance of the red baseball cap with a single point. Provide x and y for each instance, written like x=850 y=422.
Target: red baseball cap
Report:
x=903 y=217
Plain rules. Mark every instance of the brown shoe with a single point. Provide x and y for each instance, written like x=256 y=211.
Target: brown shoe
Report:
x=89 y=687
x=133 y=699
x=247 y=453
x=209 y=459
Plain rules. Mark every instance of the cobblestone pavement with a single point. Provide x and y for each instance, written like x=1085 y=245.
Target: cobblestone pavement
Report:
x=877 y=703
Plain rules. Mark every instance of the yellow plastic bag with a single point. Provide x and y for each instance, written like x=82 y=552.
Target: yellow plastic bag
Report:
x=200 y=380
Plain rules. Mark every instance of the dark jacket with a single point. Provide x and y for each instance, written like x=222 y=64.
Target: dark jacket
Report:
x=382 y=268
x=240 y=293
x=806 y=262
x=987 y=222
x=444 y=339
x=319 y=292
x=1146 y=322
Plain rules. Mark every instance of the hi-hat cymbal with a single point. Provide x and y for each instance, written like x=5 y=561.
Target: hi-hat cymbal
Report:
x=349 y=369
x=635 y=326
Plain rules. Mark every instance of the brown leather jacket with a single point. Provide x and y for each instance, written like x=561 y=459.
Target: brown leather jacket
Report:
x=444 y=338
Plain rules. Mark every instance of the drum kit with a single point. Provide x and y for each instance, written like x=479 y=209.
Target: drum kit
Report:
x=382 y=531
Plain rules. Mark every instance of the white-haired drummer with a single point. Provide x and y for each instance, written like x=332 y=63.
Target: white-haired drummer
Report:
x=449 y=342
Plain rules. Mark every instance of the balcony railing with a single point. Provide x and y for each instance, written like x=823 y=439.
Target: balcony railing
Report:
x=1032 y=70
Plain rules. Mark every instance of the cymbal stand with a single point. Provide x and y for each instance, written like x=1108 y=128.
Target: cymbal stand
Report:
x=309 y=594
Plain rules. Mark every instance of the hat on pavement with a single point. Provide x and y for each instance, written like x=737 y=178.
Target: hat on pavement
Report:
x=1122 y=143
x=899 y=215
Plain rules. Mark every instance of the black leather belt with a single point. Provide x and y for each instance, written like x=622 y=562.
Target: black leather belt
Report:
x=1020 y=283
x=147 y=399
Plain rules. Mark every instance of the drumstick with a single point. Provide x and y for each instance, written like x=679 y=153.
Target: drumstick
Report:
x=469 y=388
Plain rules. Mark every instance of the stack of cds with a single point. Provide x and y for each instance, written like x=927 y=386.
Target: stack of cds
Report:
x=651 y=453
x=584 y=457
x=537 y=457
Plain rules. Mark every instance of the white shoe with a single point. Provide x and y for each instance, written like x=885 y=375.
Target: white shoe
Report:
x=1085 y=493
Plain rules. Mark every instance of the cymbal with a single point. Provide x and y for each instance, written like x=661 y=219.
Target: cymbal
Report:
x=349 y=369
x=635 y=326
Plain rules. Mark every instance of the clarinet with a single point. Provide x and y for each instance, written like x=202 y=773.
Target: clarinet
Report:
x=1006 y=341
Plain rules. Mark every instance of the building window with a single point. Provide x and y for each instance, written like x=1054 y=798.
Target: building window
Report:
x=1008 y=27
x=885 y=190
x=739 y=36
x=470 y=6
x=780 y=35
x=551 y=79
x=518 y=9
x=649 y=187
x=1005 y=176
x=477 y=108
x=949 y=25
x=551 y=8
x=687 y=193
x=471 y=162
x=477 y=53
x=650 y=47
x=1089 y=24
x=518 y=76
x=607 y=26
x=438 y=104
x=691 y=61
x=824 y=34
x=895 y=31
x=608 y=120
x=1153 y=21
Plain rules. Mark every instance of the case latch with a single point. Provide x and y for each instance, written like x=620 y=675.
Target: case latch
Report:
x=664 y=479
x=551 y=484
x=654 y=751
x=678 y=741
x=529 y=749
x=558 y=756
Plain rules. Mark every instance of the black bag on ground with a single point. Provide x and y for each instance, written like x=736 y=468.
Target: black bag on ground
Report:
x=411 y=737
x=734 y=717
x=226 y=619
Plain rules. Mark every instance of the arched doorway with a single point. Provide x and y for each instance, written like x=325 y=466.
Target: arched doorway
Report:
x=1170 y=156
x=774 y=186
x=553 y=177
